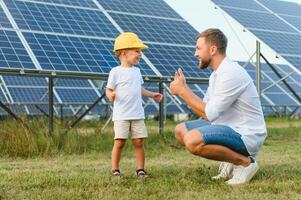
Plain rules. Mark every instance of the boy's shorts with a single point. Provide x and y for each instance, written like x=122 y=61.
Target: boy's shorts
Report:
x=123 y=128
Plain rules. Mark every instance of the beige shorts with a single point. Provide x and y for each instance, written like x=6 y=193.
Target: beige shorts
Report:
x=123 y=128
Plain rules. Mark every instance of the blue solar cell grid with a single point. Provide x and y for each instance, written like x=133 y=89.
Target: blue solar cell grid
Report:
x=72 y=83
x=25 y=81
x=146 y=7
x=167 y=59
x=264 y=21
x=282 y=7
x=12 y=52
x=295 y=21
x=29 y=95
x=77 y=95
x=4 y=22
x=63 y=53
x=56 y=52
x=79 y=3
x=157 y=30
x=282 y=43
x=245 y=4
x=59 y=19
x=295 y=61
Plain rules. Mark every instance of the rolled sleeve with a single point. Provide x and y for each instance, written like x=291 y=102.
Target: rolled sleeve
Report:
x=211 y=113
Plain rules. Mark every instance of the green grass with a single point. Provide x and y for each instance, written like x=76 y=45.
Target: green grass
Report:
x=76 y=165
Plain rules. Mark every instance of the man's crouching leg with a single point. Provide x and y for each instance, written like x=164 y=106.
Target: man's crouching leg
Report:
x=180 y=132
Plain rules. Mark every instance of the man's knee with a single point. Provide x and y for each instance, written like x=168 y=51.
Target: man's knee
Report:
x=180 y=130
x=193 y=141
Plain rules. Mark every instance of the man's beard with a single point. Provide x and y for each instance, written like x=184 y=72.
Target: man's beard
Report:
x=204 y=64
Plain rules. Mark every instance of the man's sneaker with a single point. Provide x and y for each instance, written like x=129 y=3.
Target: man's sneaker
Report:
x=116 y=173
x=242 y=175
x=141 y=173
x=225 y=171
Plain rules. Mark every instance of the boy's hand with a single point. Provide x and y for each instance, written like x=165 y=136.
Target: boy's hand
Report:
x=157 y=96
x=111 y=96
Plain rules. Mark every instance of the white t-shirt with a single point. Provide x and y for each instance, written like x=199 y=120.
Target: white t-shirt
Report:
x=127 y=83
x=232 y=100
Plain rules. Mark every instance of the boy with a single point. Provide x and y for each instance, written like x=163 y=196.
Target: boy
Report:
x=125 y=90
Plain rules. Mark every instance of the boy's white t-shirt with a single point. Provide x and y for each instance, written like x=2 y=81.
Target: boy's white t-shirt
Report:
x=127 y=83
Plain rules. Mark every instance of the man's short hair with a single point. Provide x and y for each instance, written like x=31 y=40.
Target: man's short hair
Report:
x=215 y=37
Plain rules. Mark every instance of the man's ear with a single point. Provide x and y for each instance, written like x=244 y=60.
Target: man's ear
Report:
x=213 y=50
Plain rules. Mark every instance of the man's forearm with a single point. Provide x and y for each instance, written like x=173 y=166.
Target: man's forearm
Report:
x=194 y=102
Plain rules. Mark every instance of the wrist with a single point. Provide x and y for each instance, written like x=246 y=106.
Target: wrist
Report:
x=183 y=91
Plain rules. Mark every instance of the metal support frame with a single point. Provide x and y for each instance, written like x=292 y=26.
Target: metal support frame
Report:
x=41 y=110
x=258 y=69
x=85 y=75
x=87 y=111
x=62 y=113
x=50 y=105
x=8 y=110
x=161 y=109
x=283 y=80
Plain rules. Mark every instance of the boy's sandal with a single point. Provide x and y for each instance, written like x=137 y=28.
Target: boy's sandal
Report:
x=116 y=172
x=141 y=173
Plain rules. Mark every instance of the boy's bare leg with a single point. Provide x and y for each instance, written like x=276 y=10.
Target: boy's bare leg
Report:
x=139 y=152
x=116 y=152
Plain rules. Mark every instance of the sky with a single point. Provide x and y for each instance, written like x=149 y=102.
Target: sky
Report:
x=201 y=14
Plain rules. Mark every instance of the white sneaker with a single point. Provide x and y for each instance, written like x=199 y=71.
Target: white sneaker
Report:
x=242 y=175
x=225 y=171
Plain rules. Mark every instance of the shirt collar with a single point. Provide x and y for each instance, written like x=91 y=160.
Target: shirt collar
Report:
x=223 y=65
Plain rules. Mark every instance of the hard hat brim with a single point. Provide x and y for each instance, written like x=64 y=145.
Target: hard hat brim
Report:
x=143 y=46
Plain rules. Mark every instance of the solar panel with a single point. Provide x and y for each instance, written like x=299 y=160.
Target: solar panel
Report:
x=60 y=19
x=12 y=52
x=145 y=7
x=72 y=96
x=244 y=4
x=157 y=30
x=282 y=7
x=264 y=20
x=79 y=3
x=167 y=59
x=280 y=29
x=295 y=21
x=66 y=53
x=4 y=22
x=284 y=43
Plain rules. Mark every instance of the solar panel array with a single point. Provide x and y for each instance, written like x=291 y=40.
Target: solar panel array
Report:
x=277 y=23
x=78 y=36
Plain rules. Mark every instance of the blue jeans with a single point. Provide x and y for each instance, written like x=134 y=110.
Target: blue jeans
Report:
x=219 y=134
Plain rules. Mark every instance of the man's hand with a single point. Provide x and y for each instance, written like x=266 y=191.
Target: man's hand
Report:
x=157 y=96
x=179 y=84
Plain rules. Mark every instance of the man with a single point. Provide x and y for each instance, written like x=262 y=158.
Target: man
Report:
x=232 y=128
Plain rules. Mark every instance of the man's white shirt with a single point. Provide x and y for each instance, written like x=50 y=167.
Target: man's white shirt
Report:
x=232 y=100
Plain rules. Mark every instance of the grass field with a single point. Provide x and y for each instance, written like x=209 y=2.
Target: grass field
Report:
x=76 y=165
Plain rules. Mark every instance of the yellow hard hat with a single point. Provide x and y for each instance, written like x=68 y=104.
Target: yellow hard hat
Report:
x=128 y=40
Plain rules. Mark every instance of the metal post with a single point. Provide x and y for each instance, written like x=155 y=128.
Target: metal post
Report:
x=62 y=113
x=50 y=105
x=161 y=109
x=258 y=69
